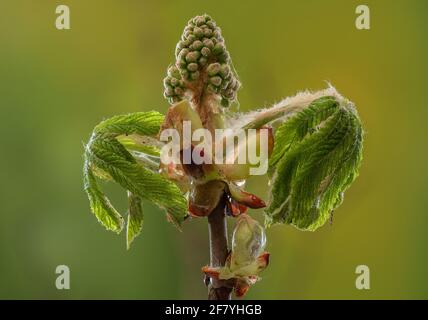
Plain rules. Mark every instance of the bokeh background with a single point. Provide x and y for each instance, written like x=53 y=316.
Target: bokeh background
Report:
x=55 y=86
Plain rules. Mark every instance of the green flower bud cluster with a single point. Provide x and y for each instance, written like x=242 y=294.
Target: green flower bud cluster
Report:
x=174 y=85
x=202 y=55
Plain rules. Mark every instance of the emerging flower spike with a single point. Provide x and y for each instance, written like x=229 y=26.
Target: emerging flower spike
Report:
x=202 y=66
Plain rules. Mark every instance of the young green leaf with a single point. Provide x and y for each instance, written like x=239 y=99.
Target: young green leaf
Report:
x=304 y=122
x=107 y=155
x=316 y=157
x=139 y=144
x=135 y=219
x=100 y=205
x=141 y=123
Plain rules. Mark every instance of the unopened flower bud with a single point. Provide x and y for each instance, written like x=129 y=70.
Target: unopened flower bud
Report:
x=198 y=32
x=217 y=33
x=216 y=81
x=181 y=64
x=194 y=75
x=169 y=91
x=174 y=72
x=180 y=45
x=224 y=84
x=178 y=91
x=229 y=93
x=212 y=88
x=191 y=38
x=218 y=48
x=205 y=51
x=213 y=69
x=197 y=45
x=183 y=53
x=208 y=33
x=167 y=81
x=211 y=24
x=224 y=57
x=200 y=20
x=192 y=56
x=192 y=67
x=224 y=70
x=225 y=103
x=203 y=61
x=208 y=43
x=184 y=73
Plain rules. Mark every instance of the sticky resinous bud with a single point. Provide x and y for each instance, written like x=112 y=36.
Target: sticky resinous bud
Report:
x=248 y=241
x=202 y=66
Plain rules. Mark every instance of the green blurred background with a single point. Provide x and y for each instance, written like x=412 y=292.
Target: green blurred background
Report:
x=55 y=86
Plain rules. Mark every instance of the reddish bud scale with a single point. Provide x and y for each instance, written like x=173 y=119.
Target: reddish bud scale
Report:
x=241 y=288
x=252 y=201
x=198 y=211
x=210 y=272
x=264 y=259
x=242 y=208
x=234 y=208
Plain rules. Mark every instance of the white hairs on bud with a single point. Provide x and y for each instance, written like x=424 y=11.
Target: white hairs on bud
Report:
x=287 y=107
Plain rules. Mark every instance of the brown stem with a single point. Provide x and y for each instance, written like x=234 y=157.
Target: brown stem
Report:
x=218 y=289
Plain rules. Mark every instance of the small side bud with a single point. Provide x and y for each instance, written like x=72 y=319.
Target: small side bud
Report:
x=248 y=240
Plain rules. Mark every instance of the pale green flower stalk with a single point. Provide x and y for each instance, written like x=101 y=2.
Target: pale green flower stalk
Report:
x=315 y=149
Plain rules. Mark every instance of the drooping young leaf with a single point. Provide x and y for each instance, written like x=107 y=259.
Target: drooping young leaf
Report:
x=109 y=155
x=105 y=154
x=135 y=219
x=316 y=157
x=100 y=205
